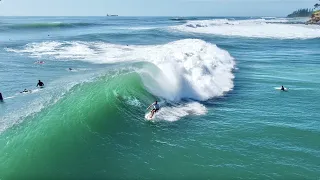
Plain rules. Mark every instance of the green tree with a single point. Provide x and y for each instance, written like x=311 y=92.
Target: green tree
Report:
x=301 y=13
x=316 y=5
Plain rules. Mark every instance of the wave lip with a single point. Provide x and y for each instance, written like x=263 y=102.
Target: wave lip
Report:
x=279 y=28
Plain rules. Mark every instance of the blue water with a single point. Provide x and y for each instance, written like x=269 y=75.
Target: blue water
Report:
x=222 y=115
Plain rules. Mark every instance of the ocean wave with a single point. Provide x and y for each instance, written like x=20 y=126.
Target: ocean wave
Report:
x=183 y=72
x=183 y=18
x=47 y=97
x=119 y=93
x=179 y=65
x=279 y=28
x=50 y=25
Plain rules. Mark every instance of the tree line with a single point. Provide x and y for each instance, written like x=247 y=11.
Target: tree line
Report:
x=301 y=13
x=304 y=12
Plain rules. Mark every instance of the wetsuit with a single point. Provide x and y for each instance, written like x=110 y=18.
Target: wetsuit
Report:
x=40 y=84
x=156 y=107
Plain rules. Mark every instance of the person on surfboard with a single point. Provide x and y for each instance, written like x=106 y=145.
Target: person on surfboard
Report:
x=155 y=109
x=40 y=84
x=25 y=91
x=282 y=88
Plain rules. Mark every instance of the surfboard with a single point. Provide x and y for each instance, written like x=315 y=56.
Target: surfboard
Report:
x=147 y=116
x=279 y=88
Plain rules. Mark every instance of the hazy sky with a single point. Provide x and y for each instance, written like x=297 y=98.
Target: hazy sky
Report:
x=151 y=7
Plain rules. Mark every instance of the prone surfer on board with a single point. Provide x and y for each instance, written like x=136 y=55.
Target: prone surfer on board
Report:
x=155 y=109
x=25 y=91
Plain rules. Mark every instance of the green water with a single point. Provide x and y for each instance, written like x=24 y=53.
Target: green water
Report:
x=93 y=132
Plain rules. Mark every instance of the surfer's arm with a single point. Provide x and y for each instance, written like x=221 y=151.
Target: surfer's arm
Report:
x=150 y=105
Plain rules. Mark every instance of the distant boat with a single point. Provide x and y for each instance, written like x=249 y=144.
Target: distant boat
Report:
x=111 y=15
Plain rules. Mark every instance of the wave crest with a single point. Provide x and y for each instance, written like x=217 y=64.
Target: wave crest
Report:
x=279 y=28
x=188 y=68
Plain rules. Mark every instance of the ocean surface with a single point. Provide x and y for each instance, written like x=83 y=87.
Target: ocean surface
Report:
x=217 y=80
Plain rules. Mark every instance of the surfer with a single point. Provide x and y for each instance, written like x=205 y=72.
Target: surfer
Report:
x=1 y=98
x=25 y=91
x=40 y=84
x=282 y=88
x=39 y=62
x=155 y=109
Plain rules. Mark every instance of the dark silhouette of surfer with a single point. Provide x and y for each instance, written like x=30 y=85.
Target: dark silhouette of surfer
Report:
x=40 y=84
x=1 y=98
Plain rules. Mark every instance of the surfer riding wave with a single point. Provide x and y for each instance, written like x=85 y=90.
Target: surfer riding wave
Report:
x=155 y=109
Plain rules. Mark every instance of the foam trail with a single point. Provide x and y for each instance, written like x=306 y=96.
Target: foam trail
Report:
x=255 y=28
x=177 y=112
x=10 y=97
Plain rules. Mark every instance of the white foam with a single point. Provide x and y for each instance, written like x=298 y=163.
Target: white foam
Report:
x=177 y=112
x=255 y=28
x=133 y=101
x=11 y=97
x=189 y=68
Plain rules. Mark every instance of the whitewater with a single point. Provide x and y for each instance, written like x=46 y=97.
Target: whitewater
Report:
x=216 y=80
x=256 y=28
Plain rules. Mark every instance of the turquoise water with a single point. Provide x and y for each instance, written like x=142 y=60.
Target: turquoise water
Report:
x=221 y=115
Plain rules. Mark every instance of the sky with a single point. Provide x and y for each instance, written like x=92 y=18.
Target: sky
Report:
x=152 y=7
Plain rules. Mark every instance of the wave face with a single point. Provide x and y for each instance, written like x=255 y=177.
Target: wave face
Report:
x=178 y=66
x=253 y=28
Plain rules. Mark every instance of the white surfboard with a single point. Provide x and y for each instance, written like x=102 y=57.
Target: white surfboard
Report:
x=147 y=116
x=279 y=88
